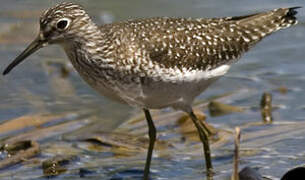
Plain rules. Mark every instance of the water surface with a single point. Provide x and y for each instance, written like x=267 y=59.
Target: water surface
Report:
x=36 y=85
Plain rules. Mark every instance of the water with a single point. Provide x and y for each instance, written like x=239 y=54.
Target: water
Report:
x=35 y=86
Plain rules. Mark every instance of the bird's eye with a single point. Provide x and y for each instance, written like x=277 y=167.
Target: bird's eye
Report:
x=62 y=24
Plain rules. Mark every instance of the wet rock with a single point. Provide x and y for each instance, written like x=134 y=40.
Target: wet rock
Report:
x=14 y=148
x=249 y=173
x=297 y=173
x=57 y=165
x=219 y=109
x=18 y=151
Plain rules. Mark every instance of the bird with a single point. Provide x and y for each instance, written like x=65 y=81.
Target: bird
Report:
x=154 y=63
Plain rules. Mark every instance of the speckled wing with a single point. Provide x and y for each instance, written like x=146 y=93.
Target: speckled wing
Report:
x=205 y=43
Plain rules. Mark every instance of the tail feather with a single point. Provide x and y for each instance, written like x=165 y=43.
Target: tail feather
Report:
x=290 y=19
x=292 y=11
x=259 y=25
x=285 y=14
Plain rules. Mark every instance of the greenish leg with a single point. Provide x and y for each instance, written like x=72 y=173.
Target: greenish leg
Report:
x=152 y=139
x=201 y=128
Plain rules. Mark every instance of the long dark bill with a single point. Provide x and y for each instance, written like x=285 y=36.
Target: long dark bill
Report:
x=33 y=47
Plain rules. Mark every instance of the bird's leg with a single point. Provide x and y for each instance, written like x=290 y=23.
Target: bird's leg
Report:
x=152 y=138
x=207 y=130
x=205 y=141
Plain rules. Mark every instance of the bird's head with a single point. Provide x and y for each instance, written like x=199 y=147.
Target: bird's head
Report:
x=58 y=24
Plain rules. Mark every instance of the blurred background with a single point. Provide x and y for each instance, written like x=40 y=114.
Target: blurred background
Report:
x=47 y=84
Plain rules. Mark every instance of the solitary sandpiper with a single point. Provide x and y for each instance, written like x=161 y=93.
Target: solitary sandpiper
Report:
x=156 y=62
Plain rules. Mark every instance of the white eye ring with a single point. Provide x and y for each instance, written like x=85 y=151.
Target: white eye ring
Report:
x=63 y=23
